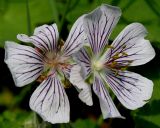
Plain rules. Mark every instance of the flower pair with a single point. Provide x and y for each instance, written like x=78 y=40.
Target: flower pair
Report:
x=97 y=63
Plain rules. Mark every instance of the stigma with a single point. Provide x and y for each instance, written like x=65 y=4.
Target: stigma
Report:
x=97 y=65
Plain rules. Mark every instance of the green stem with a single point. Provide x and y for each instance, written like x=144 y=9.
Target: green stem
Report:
x=54 y=11
x=152 y=4
x=99 y=2
x=130 y=3
x=28 y=18
x=38 y=122
x=35 y=121
x=43 y=124
x=64 y=15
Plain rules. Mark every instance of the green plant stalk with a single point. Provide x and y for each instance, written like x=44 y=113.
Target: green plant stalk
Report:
x=54 y=11
x=28 y=18
x=64 y=15
x=152 y=4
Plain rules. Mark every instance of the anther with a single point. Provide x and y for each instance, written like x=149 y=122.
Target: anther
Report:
x=124 y=46
x=116 y=56
x=124 y=54
x=109 y=46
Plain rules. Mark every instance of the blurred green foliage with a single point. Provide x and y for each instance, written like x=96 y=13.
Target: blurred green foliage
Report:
x=15 y=119
x=13 y=15
x=22 y=16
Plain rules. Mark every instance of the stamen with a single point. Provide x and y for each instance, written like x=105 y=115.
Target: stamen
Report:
x=41 y=78
x=124 y=68
x=116 y=73
x=117 y=66
x=113 y=64
x=67 y=84
x=39 y=50
x=62 y=41
x=124 y=46
x=130 y=61
x=116 y=56
x=109 y=46
x=60 y=44
x=124 y=54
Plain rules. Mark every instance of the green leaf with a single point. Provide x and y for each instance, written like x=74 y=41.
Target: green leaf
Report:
x=85 y=123
x=14 y=20
x=141 y=123
x=14 y=119
x=143 y=12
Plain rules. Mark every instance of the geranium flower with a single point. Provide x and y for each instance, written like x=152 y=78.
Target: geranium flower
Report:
x=105 y=65
x=48 y=61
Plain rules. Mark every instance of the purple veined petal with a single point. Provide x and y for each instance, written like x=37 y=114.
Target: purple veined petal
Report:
x=108 y=108
x=45 y=37
x=85 y=93
x=130 y=47
x=24 y=62
x=132 y=90
x=84 y=60
x=75 y=39
x=67 y=70
x=50 y=101
x=98 y=25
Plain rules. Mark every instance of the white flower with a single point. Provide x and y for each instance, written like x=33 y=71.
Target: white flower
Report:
x=48 y=61
x=105 y=65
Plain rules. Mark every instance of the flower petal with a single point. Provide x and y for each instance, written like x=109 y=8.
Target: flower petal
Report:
x=67 y=70
x=50 y=101
x=108 y=108
x=98 y=25
x=45 y=37
x=83 y=59
x=75 y=39
x=76 y=79
x=24 y=62
x=132 y=90
x=131 y=47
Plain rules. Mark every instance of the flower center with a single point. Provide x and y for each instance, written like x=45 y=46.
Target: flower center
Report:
x=52 y=60
x=55 y=61
x=97 y=65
